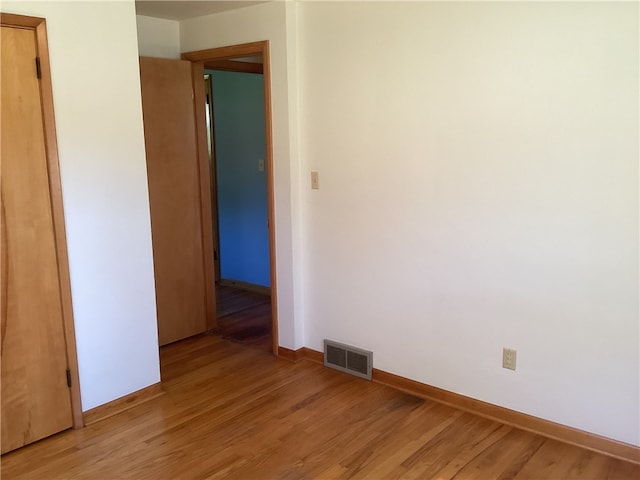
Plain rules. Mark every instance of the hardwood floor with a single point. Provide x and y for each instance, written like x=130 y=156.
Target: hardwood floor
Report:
x=243 y=317
x=233 y=300
x=234 y=411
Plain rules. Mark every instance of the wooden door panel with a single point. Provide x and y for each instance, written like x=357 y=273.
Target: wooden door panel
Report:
x=35 y=396
x=174 y=195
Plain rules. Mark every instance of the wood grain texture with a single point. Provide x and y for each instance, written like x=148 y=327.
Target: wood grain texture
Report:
x=36 y=401
x=206 y=217
x=312 y=355
x=122 y=404
x=208 y=89
x=226 y=53
x=530 y=423
x=4 y=270
x=236 y=412
x=271 y=194
x=290 y=355
x=506 y=416
x=57 y=210
x=12 y=20
x=174 y=198
x=249 y=287
x=234 y=66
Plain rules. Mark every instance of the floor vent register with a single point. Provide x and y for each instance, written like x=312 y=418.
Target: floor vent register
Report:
x=348 y=359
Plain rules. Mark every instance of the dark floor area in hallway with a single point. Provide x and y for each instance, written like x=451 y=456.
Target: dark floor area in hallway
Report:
x=243 y=317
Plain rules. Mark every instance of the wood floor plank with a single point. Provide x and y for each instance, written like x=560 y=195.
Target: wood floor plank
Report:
x=469 y=452
x=504 y=459
x=233 y=411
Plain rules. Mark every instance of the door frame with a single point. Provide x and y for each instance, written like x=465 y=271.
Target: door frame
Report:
x=199 y=60
x=38 y=25
x=208 y=83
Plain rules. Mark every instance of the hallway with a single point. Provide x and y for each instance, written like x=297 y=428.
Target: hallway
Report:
x=243 y=317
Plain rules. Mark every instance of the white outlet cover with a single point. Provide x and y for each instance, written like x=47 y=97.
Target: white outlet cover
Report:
x=509 y=358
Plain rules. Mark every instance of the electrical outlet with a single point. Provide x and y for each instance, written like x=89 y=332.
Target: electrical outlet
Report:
x=509 y=358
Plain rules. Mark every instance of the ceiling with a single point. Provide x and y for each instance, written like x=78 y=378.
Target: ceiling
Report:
x=180 y=10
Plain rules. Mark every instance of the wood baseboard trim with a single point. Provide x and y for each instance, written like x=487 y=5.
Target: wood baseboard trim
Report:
x=249 y=287
x=291 y=355
x=523 y=421
x=312 y=355
x=546 y=428
x=122 y=404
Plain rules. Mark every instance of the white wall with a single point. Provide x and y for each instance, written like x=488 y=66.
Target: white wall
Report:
x=158 y=37
x=269 y=22
x=479 y=189
x=96 y=90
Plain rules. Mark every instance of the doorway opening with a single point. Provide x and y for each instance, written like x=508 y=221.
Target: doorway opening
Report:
x=236 y=146
x=240 y=169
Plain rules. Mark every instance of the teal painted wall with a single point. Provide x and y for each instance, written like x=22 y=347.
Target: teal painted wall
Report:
x=239 y=129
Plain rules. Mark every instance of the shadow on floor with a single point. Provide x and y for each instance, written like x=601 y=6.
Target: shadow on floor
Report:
x=243 y=317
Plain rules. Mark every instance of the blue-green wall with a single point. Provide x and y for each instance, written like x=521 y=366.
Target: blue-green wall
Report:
x=238 y=114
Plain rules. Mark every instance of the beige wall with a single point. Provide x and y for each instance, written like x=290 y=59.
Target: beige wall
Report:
x=479 y=190
x=158 y=37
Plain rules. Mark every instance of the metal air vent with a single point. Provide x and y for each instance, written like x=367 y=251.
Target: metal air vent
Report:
x=348 y=359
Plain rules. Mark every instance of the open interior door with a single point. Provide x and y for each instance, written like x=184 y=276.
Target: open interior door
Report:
x=174 y=196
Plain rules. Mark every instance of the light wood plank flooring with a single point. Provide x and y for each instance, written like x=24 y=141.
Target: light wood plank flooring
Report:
x=234 y=411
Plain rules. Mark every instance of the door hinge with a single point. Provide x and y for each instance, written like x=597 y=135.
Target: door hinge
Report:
x=68 y=378
x=38 y=70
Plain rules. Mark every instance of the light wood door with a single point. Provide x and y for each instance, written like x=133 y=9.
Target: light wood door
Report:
x=174 y=196
x=36 y=400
